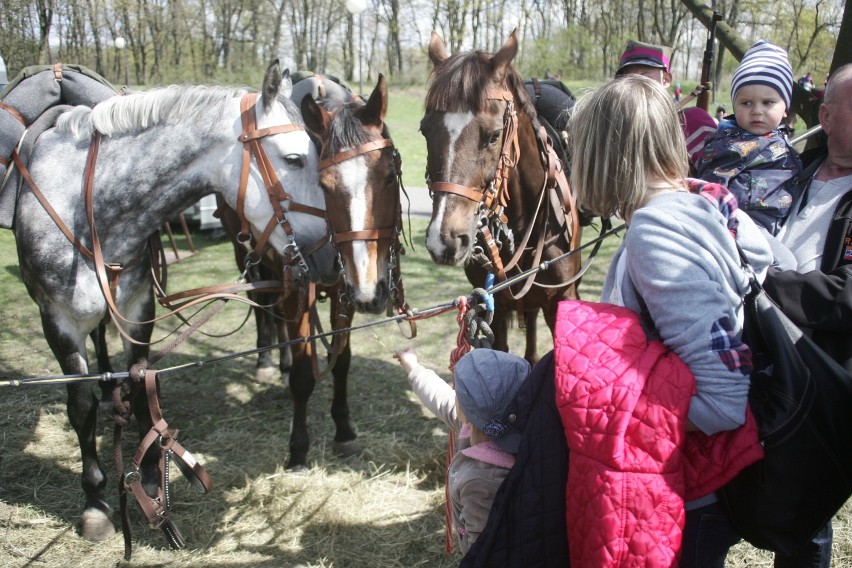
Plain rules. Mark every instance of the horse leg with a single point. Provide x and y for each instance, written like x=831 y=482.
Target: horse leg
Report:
x=266 y=330
x=82 y=409
x=531 y=352
x=346 y=442
x=500 y=327
x=285 y=356
x=302 y=383
x=98 y=336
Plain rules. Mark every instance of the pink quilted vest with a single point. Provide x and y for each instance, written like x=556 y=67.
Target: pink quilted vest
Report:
x=623 y=401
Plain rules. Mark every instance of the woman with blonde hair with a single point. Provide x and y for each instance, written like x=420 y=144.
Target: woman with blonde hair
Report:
x=678 y=267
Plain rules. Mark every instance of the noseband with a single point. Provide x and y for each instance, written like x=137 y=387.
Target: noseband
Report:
x=494 y=197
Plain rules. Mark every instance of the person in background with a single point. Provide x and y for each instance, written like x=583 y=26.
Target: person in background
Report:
x=817 y=294
x=654 y=62
x=486 y=381
x=721 y=112
x=751 y=155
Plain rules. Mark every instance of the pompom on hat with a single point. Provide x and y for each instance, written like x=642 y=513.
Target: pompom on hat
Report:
x=765 y=64
x=486 y=382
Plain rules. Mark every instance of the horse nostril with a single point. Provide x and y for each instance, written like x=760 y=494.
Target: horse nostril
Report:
x=463 y=240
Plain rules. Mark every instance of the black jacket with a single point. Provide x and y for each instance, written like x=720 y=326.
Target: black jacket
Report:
x=820 y=302
x=526 y=526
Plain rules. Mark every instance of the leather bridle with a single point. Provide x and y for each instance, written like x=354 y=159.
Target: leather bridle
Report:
x=494 y=197
x=293 y=258
x=376 y=234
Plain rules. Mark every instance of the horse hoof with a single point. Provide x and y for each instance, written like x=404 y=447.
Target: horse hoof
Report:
x=267 y=376
x=346 y=449
x=96 y=526
x=300 y=469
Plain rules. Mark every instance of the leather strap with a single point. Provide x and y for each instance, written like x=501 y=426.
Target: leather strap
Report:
x=495 y=197
x=157 y=509
x=349 y=154
x=269 y=131
x=449 y=187
x=366 y=235
x=15 y=114
x=49 y=208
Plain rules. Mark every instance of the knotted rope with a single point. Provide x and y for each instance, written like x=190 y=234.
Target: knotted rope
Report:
x=474 y=332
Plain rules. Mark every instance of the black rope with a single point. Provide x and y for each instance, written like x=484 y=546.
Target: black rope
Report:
x=481 y=334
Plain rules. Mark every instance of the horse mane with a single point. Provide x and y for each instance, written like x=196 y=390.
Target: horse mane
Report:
x=164 y=105
x=460 y=82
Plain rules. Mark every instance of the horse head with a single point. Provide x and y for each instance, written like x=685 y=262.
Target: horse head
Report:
x=469 y=127
x=359 y=175
x=293 y=156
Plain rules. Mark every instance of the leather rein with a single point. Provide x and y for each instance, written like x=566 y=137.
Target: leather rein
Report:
x=494 y=198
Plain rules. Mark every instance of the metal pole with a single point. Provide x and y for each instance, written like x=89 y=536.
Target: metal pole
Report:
x=126 y=69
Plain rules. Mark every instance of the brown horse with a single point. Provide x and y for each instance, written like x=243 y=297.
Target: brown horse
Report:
x=496 y=207
x=359 y=175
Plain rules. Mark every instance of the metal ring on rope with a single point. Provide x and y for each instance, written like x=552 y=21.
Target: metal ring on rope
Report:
x=478 y=320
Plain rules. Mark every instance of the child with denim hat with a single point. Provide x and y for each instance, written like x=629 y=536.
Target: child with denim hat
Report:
x=751 y=155
x=485 y=383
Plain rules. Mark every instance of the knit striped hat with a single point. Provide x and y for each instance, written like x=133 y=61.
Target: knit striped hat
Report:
x=765 y=64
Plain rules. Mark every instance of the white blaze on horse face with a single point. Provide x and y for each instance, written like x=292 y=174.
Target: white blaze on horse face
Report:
x=355 y=172
x=455 y=123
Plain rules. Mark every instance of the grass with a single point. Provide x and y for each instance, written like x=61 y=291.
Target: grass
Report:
x=382 y=508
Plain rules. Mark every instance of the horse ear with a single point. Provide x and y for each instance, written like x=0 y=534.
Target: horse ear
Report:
x=377 y=104
x=271 y=83
x=286 y=87
x=503 y=58
x=437 y=49
x=316 y=118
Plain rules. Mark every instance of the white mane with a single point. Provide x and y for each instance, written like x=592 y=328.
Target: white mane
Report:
x=137 y=111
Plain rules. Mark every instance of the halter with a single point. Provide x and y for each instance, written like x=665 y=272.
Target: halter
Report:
x=293 y=259
x=397 y=295
x=494 y=197
x=366 y=234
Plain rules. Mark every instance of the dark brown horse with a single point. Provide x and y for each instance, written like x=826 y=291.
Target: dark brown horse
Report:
x=497 y=206
x=359 y=175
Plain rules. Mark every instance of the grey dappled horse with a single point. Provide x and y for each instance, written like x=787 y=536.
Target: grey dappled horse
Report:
x=160 y=151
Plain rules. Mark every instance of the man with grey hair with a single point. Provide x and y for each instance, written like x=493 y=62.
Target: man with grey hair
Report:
x=817 y=295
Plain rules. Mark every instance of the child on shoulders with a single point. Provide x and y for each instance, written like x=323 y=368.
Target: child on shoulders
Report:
x=750 y=154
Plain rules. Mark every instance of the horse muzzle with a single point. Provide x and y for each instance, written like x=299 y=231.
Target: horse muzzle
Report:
x=374 y=303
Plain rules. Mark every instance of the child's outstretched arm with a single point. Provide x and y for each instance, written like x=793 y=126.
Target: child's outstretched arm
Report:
x=433 y=391
x=407 y=358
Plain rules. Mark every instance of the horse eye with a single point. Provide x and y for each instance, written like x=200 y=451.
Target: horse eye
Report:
x=495 y=137
x=294 y=161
